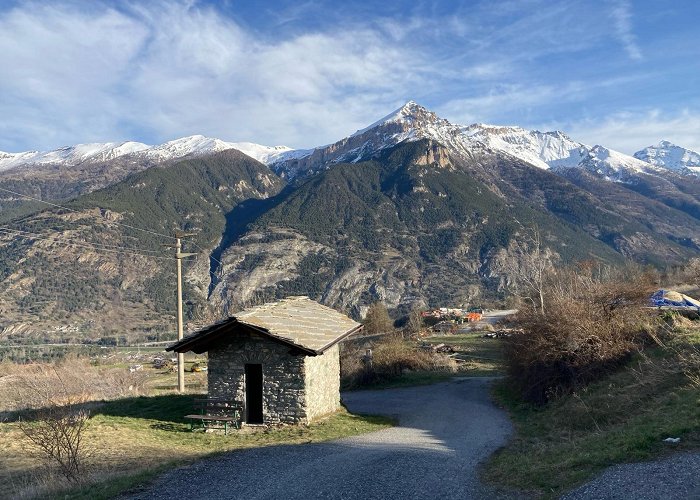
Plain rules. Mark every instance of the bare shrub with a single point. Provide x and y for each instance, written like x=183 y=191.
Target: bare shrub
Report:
x=595 y=319
x=55 y=426
x=390 y=358
x=57 y=436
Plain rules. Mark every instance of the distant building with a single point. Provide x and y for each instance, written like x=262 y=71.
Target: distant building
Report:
x=280 y=360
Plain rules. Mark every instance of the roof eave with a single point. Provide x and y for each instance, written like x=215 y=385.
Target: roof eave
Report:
x=339 y=339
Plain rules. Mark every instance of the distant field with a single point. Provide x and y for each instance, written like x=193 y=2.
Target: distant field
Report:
x=480 y=356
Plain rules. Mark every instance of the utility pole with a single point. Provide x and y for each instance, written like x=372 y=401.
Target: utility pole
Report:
x=180 y=356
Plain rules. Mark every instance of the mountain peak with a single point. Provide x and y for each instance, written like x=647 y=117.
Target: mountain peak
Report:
x=669 y=155
x=410 y=113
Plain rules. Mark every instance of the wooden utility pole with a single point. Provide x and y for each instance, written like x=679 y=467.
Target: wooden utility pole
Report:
x=180 y=356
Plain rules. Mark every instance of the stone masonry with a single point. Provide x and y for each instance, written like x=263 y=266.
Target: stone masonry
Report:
x=296 y=388
x=322 y=375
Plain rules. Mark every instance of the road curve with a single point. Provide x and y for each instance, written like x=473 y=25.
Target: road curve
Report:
x=444 y=431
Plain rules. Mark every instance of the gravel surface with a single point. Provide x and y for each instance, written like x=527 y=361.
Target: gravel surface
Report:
x=676 y=477
x=444 y=431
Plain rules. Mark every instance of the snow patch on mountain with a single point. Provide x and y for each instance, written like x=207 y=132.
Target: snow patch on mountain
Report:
x=71 y=155
x=615 y=166
x=668 y=155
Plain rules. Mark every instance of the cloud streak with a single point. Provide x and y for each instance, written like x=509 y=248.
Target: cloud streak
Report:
x=622 y=20
x=178 y=68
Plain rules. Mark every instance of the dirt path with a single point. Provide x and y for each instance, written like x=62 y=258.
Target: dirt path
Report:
x=444 y=431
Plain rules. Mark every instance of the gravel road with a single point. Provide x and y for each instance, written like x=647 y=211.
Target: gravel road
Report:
x=444 y=431
x=676 y=477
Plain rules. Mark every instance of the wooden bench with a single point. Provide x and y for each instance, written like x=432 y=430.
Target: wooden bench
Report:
x=216 y=413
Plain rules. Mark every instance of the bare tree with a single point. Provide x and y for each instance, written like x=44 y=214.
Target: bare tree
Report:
x=377 y=319
x=527 y=271
x=415 y=320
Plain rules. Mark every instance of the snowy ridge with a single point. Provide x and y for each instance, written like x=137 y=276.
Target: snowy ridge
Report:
x=615 y=166
x=71 y=155
x=542 y=149
x=668 y=155
x=266 y=154
x=412 y=122
x=195 y=145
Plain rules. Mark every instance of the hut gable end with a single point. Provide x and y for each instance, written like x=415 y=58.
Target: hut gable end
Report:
x=280 y=360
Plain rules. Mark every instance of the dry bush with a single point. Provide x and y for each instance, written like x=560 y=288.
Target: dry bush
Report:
x=594 y=320
x=390 y=358
x=52 y=399
x=56 y=434
x=55 y=425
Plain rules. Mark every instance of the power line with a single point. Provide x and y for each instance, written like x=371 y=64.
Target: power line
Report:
x=85 y=245
x=210 y=256
x=64 y=238
x=107 y=221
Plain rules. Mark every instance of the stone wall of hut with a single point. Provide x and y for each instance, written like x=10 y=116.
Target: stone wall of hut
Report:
x=322 y=374
x=296 y=388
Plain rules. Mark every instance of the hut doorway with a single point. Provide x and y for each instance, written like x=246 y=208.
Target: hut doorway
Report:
x=254 y=393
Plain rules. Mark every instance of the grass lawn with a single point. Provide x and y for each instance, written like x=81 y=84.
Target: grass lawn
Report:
x=623 y=418
x=133 y=439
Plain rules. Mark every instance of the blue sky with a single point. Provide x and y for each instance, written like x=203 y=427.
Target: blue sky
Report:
x=621 y=73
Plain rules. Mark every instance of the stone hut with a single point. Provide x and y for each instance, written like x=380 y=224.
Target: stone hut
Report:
x=280 y=360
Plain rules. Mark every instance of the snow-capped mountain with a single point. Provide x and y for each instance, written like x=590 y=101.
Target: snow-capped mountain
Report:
x=195 y=145
x=412 y=122
x=668 y=155
x=71 y=155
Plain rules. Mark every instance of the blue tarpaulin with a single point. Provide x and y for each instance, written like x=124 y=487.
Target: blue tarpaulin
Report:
x=671 y=298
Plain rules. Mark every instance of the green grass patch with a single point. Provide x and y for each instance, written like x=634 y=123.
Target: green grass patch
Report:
x=134 y=439
x=622 y=418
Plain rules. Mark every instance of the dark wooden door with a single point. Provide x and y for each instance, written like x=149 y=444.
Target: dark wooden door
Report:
x=253 y=394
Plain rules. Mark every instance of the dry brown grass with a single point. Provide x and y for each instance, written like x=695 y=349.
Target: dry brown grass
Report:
x=592 y=324
x=73 y=380
x=391 y=358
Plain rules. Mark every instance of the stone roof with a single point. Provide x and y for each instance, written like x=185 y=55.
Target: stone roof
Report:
x=298 y=321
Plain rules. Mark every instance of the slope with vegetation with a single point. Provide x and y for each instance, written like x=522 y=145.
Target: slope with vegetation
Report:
x=596 y=378
x=99 y=268
x=416 y=224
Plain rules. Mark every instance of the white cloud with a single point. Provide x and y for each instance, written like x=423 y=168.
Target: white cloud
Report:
x=60 y=68
x=629 y=132
x=172 y=69
x=622 y=19
x=154 y=71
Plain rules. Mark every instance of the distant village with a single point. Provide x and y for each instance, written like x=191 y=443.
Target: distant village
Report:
x=458 y=315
